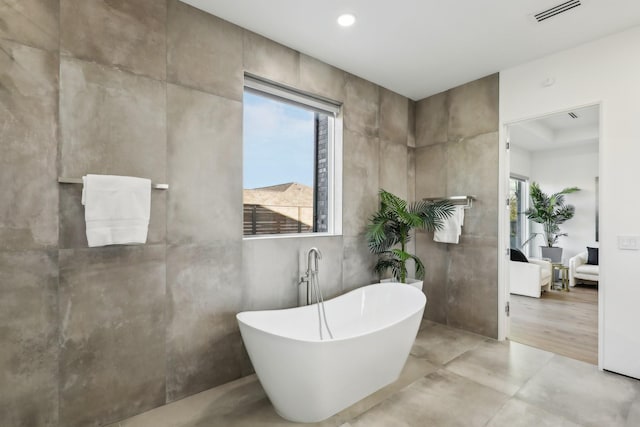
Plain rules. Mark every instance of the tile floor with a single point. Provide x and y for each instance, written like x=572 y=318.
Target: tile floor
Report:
x=452 y=378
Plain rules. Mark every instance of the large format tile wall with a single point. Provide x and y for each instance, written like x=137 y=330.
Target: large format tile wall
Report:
x=457 y=154
x=153 y=88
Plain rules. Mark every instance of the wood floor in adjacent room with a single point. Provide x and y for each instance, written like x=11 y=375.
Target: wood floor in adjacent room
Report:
x=564 y=323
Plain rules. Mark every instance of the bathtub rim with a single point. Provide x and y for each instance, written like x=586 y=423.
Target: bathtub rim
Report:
x=324 y=341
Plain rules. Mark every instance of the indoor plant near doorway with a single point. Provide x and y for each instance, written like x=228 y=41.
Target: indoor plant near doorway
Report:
x=550 y=211
x=390 y=230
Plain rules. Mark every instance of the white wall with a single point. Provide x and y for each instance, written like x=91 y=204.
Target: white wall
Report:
x=606 y=71
x=520 y=161
x=570 y=167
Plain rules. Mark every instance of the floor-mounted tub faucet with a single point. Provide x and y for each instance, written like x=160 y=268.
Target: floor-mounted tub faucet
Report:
x=310 y=278
x=313 y=255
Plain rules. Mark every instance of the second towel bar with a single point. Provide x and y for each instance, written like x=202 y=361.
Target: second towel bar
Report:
x=63 y=180
x=456 y=200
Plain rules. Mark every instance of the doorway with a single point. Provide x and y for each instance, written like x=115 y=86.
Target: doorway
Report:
x=556 y=152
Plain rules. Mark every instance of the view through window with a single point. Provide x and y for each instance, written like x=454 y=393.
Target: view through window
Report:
x=518 y=218
x=286 y=165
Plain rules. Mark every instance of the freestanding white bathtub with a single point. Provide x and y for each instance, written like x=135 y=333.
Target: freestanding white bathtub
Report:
x=308 y=380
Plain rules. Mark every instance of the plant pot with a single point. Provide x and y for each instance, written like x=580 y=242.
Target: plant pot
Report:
x=553 y=253
x=412 y=282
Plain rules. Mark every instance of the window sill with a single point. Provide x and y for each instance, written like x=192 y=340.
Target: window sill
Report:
x=290 y=236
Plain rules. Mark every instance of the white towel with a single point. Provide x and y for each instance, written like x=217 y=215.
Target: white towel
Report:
x=116 y=209
x=452 y=227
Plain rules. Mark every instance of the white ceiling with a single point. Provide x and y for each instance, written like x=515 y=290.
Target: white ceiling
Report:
x=421 y=47
x=557 y=131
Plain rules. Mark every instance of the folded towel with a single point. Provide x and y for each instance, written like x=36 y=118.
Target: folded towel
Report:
x=452 y=227
x=116 y=209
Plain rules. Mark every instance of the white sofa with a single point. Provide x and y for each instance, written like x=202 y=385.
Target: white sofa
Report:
x=529 y=278
x=579 y=269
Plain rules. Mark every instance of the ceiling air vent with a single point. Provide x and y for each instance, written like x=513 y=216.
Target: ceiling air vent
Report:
x=557 y=10
x=573 y=115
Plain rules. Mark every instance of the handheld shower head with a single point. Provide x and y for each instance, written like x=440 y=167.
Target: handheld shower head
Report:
x=318 y=255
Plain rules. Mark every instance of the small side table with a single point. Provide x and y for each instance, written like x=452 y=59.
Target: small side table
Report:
x=564 y=275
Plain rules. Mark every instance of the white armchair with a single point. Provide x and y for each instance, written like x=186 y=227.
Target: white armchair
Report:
x=529 y=278
x=579 y=269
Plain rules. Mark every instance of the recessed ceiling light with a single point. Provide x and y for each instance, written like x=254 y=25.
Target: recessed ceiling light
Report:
x=346 y=20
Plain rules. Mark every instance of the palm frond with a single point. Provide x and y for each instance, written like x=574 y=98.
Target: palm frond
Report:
x=391 y=200
x=385 y=264
x=435 y=214
x=390 y=228
x=420 y=270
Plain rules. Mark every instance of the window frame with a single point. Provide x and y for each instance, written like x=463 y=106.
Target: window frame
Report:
x=281 y=93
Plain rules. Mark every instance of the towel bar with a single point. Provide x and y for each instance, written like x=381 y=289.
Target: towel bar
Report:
x=456 y=200
x=63 y=180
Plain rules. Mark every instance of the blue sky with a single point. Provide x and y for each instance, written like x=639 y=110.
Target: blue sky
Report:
x=278 y=143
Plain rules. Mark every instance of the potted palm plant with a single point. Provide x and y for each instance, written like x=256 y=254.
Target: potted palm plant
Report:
x=390 y=230
x=550 y=211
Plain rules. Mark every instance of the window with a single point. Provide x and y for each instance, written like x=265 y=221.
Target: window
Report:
x=291 y=149
x=518 y=198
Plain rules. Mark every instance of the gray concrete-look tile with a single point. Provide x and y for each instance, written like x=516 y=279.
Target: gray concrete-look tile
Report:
x=431 y=120
x=394 y=117
x=473 y=108
x=503 y=366
x=435 y=258
x=358 y=263
x=411 y=174
x=112 y=336
x=472 y=283
x=203 y=341
x=580 y=393
x=203 y=406
x=633 y=419
x=130 y=137
x=203 y=51
x=360 y=182
x=28 y=128
x=204 y=167
x=424 y=395
x=413 y=370
x=263 y=413
x=270 y=60
x=431 y=171
x=130 y=35
x=273 y=268
x=28 y=332
x=393 y=168
x=440 y=399
x=411 y=135
x=516 y=413
x=31 y=22
x=471 y=164
x=243 y=403
x=272 y=278
x=319 y=78
x=472 y=168
x=361 y=106
x=440 y=344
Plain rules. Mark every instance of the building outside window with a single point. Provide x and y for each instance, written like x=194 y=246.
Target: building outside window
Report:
x=291 y=158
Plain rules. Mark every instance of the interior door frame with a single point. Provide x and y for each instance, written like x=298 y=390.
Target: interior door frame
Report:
x=504 y=170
